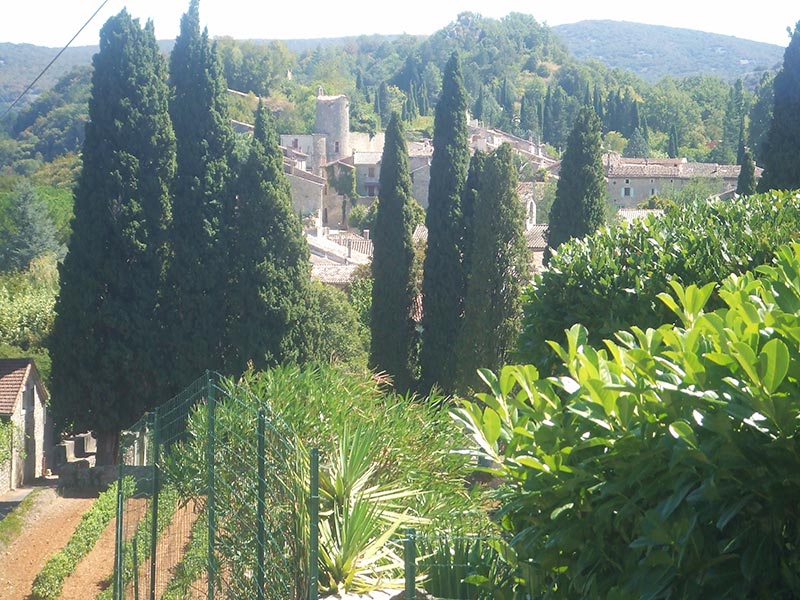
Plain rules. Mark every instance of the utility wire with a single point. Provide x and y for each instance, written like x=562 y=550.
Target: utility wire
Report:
x=50 y=64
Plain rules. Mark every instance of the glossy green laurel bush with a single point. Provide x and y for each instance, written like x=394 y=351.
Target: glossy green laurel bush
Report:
x=664 y=464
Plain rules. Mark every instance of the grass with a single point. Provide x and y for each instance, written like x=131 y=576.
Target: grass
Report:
x=11 y=526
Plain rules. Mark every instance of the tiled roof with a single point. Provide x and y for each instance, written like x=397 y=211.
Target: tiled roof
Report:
x=14 y=373
x=420 y=234
x=353 y=241
x=534 y=237
x=673 y=168
x=367 y=158
x=631 y=214
x=333 y=274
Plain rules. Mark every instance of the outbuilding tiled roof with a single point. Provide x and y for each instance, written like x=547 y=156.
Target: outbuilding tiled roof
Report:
x=14 y=373
x=333 y=274
x=534 y=237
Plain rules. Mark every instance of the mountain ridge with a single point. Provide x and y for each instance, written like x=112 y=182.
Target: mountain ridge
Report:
x=656 y=51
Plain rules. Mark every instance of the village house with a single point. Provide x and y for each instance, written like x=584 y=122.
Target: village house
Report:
x=23 y=402
x=632 y=181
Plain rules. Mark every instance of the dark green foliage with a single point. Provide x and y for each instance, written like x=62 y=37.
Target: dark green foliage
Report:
x=761 y=116
x=746 y=183
x=107 y=363
x=271 y=317
x=194 y=300
x=444 y=280
x=637 y=147
x=32 y=232
x=579 y=207
x=498 y=271
x=469 y=201
x=609 y=281
x=781 y=151
x=394 y=343
x=672 y=143
x=664 y=463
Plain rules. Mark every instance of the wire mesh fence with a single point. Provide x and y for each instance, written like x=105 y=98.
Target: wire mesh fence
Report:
x=208 y=498
x=218 y=500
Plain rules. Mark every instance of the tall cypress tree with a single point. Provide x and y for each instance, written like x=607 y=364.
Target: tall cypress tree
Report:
x=106 y=342
x=195 y=293
x=499 y=270
x=469 y=200
x=579 y=206
x=781 y=150
x=394 y=343
x=444 y=281
x=672 y=143
x=271 y=316
x=746 y=183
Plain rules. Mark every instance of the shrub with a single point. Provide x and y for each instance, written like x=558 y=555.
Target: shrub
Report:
x=609 y=281
x=666 y=464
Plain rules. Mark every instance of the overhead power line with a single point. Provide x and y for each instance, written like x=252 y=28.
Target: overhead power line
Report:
x=50 y=64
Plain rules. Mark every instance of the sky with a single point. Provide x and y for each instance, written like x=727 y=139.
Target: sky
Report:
x=53 y=22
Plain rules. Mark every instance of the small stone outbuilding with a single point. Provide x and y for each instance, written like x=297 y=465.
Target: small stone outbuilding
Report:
x=23 y=402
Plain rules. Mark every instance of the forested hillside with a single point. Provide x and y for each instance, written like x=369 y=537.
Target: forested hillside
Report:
x=656 y=51
x=518 y=74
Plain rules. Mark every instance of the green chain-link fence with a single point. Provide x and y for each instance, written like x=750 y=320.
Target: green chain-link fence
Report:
x=212 y=494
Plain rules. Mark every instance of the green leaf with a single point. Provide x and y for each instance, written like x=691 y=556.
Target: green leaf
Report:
x=491 y=426
x=682 y=430
x=773 y=364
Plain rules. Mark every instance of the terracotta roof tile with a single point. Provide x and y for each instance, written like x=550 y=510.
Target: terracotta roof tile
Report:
x=13 y=373
x=535 y=237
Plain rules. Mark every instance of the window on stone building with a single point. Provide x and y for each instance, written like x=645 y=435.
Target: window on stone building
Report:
x=371 y=171
x=371 y=191
x=336 y=147
x=627 y=192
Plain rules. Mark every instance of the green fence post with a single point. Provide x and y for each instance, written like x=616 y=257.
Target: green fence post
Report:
x=212 y=410
x=313 y=543
x=262 y=492
x=411 y=563
x=120 y=531
x=154 y=512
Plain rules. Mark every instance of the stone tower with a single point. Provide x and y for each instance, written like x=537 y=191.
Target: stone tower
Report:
x=333 y=121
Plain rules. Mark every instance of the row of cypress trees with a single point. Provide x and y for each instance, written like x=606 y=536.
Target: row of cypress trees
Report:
x=475 y=262
x=185 y=255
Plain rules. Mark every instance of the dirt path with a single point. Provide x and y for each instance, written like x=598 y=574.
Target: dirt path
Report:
x=49 y=527
x=93 y=572
x=94 y=569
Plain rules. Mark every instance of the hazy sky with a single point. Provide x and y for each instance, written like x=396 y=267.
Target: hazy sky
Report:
x=54 y=22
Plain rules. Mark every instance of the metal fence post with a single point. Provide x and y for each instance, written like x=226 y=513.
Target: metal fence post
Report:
x=154 y=512
x=212 y=410
x=262 y=492
x=313 y=543
x=411 y=563
x=120 y=531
